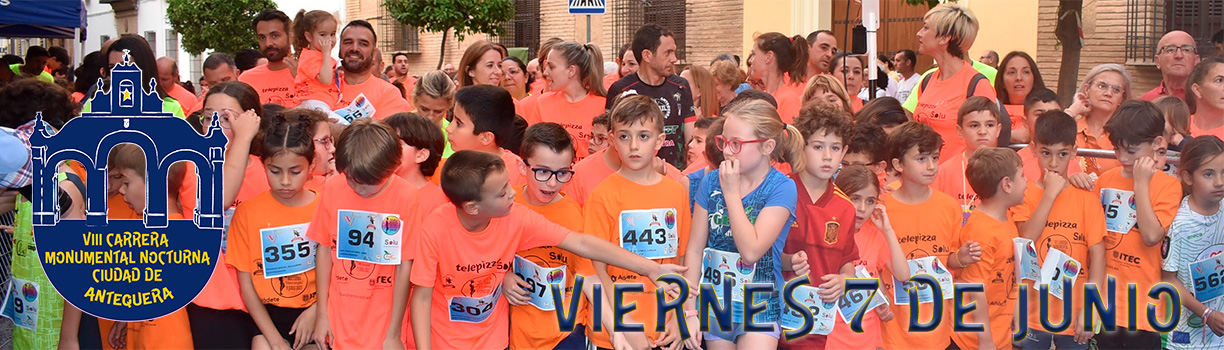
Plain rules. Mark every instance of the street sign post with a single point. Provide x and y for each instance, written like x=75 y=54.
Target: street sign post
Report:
x=588 y=8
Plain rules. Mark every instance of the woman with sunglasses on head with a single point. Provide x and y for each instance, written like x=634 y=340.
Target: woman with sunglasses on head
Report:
x=1104 y=89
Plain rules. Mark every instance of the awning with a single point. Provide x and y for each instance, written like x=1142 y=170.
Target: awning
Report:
x=41 y=18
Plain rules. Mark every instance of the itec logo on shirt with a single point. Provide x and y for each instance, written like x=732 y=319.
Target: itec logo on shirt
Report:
x=127 y=270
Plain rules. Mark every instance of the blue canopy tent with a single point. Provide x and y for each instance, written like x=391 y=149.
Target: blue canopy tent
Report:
x=41 y=18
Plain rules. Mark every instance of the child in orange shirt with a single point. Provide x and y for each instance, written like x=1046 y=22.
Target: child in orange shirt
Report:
x=927 y=223
x=1059 y=218
x=422 y=143
x=977 y=122
x=639 y=210
x=279 y=289
x=314 y=35
x=998 y=176
x=548 y=152
x=750 y=200
x=823 y=239
x=484 y=121
x=1037 y=103
x=360 y=227
x=599 y=134
x=878 y=250
x=1136 y=131
x=575 y=95
x=172 y=331
x=465 y=249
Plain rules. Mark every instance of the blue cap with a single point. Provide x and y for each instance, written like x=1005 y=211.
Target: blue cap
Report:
x=14 y=154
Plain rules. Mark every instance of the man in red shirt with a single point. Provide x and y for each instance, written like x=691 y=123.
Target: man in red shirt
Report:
x=273 y=81
x=1176 y=56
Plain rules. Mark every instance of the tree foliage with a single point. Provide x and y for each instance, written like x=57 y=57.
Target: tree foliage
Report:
x=462 y=16
x=928 y=3
x=223 y=26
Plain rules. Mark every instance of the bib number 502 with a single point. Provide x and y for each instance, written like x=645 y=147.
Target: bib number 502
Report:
x=287 y=252
x=659 y=236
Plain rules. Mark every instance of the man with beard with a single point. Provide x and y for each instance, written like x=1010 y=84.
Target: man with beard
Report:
x=399 y=61
x=357 y=52
x=655 y=50
x=820 y=53
x=273 y=81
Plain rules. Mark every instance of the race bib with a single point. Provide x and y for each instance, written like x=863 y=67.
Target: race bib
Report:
x=1026 y=260
x=360 y=108
x=21 y=306
x=369 y=237
x=1119 y=208
x=286 y=251
x=852 y=300
x=539 y=280
x=1058 y=265
x=226 y=217
x=1207 y=275
x=473 y=310
x=650 y=233
x=824 y=315
x=929 y=265
x=716 y=265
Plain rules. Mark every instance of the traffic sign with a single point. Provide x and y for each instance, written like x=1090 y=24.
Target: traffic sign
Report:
x=587 y=7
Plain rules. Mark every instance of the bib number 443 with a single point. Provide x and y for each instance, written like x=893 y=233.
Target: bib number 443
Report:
x=647 y=236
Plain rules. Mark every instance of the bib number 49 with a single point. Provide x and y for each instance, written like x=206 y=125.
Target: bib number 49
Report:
x=659 y=236
x=716 y=277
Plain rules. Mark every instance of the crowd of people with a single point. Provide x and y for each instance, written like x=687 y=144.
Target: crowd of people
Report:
x=509 y=176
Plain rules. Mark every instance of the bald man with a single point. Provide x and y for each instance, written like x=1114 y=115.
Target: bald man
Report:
x=1176 y=56
x=168 y=78
x=990 y=58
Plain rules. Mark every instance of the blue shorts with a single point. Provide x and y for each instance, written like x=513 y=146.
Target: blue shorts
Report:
x=736 y=330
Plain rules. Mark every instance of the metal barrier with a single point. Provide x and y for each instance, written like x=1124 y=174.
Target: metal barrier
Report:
x=1173 y=157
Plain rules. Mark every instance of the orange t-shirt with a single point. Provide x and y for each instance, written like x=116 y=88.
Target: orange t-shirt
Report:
x=873 y=256
x=461 y=266
x=574 y=116
x=996 y=271
x=926 y=229
x=538 y=329
x=1075 y=223
x=117 y=209
x=524 y=108
x=274 y=86
x=409 y=83
x=1195 y=131
x=951 y=181
x=1016 y=114
x=938 y=104
x=1127 y=258
x=359 y=293
x=246 y=253
x=172 y=331
x=603 y=213
x=610 y=79
x=386 y=99
x=790 y=99
x=1084 y=139
x=1032 y=170
x=855 y=104
x=511 y=160
x=185 y=98
x=307 y=85
x=593 y=169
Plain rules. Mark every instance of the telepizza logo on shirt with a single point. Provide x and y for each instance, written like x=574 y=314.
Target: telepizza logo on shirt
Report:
x=477 y=267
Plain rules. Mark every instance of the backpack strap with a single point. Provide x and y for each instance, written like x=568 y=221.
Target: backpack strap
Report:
x=973 y=83
x=925 y=80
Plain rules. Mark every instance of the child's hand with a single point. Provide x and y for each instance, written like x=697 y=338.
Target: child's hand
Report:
x=799 y=263
x=1081 y=336
x=884 y=312
x=660 y=166
x=729 y=175
x=670 y=338
x=630 y=340
x=322 y=333
x=1216 y=322
x=1082 y=181
x=244 y=125
x=973 y=250
x=694 y=328
x=665 y=269
x=1144 y=169
x=832 y=288
x=324 y=43
x=515 y=290
x=118 y=335
x=277 y=342
x=6 y=229
x=303 y=328
x=1054 y=183
x=392 y=343
x=879 y=218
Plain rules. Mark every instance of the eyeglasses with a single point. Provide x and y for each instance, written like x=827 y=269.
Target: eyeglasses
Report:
x=599 y=139
x=223 y=121
x=1103 y=86
x=325 y=141
x=1172 y=49
x=733 y=146
x=543 y=174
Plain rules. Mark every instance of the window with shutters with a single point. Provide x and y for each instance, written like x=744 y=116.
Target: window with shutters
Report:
x=151 y=37
x=524 y=29
x=395 y=37
x=633 y=14
x=1148 y=20
x=171 y=44
x=1201 y=18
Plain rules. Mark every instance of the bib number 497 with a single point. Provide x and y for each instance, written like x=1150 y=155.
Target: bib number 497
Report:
x=716 y=277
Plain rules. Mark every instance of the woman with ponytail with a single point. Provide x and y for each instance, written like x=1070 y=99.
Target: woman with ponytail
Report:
x=576 y=91
x=781 y=62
